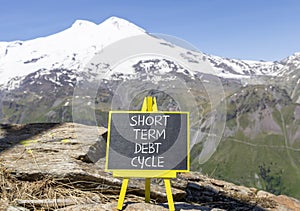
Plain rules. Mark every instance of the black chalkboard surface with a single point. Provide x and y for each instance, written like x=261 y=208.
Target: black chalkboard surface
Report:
x=148 y=141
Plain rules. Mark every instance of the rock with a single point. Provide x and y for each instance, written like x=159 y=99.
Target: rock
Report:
x=91 y=207
x=136 y=206
x=194 y=186
x=56 y=153
x=253 y=190
x=264 y=194
x=95 y=151
x=14 y=208
x=4 y=204
x=286 y=203
x=50 y=162
x=47 y=203
x=218 y=183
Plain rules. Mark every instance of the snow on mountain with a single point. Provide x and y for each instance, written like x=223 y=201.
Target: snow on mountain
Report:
x=238 y=68
x=292 y=62
x=72 y=48
x=69 y=49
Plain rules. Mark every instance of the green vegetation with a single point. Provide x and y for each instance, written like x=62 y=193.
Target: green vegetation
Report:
x=259 y=166
x=272 y=178
x=252 y=154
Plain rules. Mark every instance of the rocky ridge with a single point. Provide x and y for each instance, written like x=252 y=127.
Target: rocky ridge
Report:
x=47 y=167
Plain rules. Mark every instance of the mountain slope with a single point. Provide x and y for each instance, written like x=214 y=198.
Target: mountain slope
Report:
x=260 y=146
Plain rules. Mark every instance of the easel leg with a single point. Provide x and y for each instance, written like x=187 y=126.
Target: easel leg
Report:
x=122 y=193
x=147 y=190
x=169 y=194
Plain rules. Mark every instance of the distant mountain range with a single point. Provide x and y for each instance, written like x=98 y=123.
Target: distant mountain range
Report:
x=260 y=145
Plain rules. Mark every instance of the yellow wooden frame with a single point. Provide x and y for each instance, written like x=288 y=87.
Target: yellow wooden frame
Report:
x=149 y=105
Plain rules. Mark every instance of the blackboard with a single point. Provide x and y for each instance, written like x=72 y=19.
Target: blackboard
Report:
x=148 y=141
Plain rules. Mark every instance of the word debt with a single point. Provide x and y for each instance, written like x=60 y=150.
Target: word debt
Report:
x=156 y=120
x=146 y=148
x=150 y=161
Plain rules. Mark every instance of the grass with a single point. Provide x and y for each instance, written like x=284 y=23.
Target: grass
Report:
x=239 y=162
x=13 y=190
x=259 y=159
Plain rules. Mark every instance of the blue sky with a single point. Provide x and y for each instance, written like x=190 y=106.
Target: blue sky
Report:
x=243 y=29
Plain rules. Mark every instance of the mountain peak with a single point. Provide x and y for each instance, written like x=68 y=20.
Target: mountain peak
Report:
x=114 y=19
x=120 y=23
x=82 y=23
x=297 y=54
x=292 y=58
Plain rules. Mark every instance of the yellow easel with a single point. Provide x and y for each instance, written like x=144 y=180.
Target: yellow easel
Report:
x=149 y=104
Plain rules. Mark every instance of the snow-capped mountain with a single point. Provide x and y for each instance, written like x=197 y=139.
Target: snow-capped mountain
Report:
x=69 y=49
x=236 y=67
x=72 y=48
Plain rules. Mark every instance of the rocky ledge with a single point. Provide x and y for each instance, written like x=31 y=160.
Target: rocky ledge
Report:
x=47 y=167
